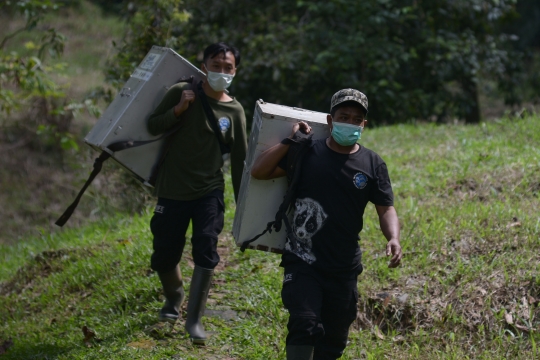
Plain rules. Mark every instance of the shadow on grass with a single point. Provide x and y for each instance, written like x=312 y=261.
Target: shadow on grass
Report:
x=38 y=351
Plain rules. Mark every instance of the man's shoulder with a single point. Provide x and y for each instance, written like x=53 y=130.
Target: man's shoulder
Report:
x=369 y=151
x=233 y=108
x=366 y=155
x=234 y=103
x=366 y=152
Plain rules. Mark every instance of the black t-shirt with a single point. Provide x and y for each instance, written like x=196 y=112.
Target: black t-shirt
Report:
x=332 y=194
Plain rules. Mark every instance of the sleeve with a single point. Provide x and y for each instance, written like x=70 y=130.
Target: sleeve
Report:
x=238 y=151
x=381 y=193
x=162 y=119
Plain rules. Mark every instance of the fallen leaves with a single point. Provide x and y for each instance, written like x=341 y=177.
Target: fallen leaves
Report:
x=513 y=224
x=398 y=339
x=378 y=333
x=509 y=318
x=142 y=344
x=161 y=330
x=124 y=242
x=89 y=336
x=522 y=328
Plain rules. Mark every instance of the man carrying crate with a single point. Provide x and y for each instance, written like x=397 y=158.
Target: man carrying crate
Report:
x=190 y=181
x=322 y=257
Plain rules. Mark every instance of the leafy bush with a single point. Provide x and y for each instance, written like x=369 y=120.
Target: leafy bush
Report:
x=414 y=60
x=32 y=105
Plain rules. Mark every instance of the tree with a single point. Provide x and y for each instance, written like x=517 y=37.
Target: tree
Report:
x=151 y=23
x=527 y=29
x=26 y=82
x=414 y=59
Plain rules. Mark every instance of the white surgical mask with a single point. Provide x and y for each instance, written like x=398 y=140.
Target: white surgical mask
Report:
x=218 y=81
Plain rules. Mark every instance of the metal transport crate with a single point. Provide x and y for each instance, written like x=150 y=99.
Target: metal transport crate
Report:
x=125 y=118
x=259 y=200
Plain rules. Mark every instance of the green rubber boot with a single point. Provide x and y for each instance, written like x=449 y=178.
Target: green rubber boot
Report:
x=174 y=295
x=198 y=293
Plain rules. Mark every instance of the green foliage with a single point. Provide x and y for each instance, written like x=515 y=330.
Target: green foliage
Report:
x=527 y=29
x=22 y=78
x=26 y=80
x=150 y=23
x=32 y=10
x=414 y=60
x=110 y=6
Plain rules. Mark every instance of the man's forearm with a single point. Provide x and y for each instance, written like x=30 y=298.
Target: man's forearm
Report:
x=389 y=222
x=390 y=228
x=266 y=165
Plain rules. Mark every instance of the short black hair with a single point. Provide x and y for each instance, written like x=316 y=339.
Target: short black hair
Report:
x=212 y=50
x=347 y=104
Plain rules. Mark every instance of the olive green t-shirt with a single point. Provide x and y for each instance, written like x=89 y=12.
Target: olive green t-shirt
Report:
x=193 y=164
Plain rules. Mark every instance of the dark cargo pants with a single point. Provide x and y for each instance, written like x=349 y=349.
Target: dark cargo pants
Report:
x=170 y=223
x=321 y=309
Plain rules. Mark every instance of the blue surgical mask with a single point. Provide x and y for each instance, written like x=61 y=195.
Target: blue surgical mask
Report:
x=346 y=134
x=219 y=81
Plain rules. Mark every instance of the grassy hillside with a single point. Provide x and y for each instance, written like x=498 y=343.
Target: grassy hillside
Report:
x=38 y=183
x=89 y=35
x=468 y=201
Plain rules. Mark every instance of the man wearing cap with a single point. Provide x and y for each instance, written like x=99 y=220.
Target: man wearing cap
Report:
x=321 y=264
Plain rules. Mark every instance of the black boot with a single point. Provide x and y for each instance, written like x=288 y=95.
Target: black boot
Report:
x=198 y=293
x=174 y=295
x=299 y=352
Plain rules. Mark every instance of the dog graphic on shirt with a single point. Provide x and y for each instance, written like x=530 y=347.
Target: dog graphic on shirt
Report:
x=309 y=218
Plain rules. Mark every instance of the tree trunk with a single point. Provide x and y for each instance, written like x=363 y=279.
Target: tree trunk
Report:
x=472 y=112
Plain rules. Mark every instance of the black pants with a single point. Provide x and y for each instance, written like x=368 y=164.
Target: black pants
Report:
x=321 y=309
x=170 y=223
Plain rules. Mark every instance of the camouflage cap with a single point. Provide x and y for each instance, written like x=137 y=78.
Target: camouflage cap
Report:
x=349 y=95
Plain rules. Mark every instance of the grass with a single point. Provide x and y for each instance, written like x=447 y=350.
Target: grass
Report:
x=468 y=288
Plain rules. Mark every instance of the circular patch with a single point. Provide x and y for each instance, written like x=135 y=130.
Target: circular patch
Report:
x=224 y=124
x=360 y=180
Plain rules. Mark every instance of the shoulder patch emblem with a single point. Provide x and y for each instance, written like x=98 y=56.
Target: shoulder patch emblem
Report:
x=360 y=180
x=224 y=124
